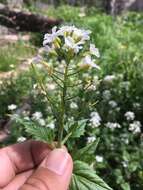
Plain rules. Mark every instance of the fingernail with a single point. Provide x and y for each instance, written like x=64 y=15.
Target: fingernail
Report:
x=57 y=161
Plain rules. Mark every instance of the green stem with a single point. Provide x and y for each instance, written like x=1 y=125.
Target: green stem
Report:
x=44 y=90
x=66 y=138
x=63 y=107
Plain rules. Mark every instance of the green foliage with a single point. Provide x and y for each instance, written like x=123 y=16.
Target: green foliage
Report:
x=85 y=178
x=86 y=153
x=77 y=129
x=13 y=54
x=65 y=12
x=37 y=132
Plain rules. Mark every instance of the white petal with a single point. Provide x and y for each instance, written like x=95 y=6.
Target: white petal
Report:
x=94 y=50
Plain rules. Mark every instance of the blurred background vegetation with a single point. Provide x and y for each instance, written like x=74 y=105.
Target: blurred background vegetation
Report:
x=117 y=30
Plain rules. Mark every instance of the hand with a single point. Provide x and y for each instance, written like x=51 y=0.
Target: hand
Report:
x=32 y=165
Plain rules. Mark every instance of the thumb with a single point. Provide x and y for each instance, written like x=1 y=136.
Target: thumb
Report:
x=53 y=173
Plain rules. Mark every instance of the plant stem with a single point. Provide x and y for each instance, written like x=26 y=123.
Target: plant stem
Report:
x=63 y=107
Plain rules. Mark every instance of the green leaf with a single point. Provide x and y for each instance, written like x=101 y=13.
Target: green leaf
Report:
x=85 y=153
x=37 y=132
x=125 y=186
x=76 y=128
x=84 y=178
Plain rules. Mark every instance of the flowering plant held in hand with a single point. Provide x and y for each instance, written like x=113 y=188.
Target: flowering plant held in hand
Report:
x=68 y=55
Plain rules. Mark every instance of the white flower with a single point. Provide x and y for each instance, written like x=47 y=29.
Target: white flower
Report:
x=51 y=125
x=111 y=125
x=130 y=116
x=49 y=38
x=37 y=59
x=109 y=78
x=135 y=127
x=91 y=139
x=125 y=164
x=88 y=62
x=99 y=158
x=125 y=85
x=70 y=44
x=82 y=15
x=51 y=86
x=73 y=105
x=106 y=94
x=21 y=139
x=94 y=50
x=113 y=104
x=136 y=105
x=75 y=33
x=12 y=66
x=41 y=122
x=12 y=107
x=65 y=29
x=95 y=119
x=83 y=35
x=37 y=115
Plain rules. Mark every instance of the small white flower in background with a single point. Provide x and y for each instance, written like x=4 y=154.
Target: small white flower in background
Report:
x=109 y=78
x=11 y=66
x=125 y=164
x=92 y=87
x=12 y=107
x=94 y=50
x=21 y=139
x=135 y=127
x=14 y=116
x=106 y=94
x=130 y=116
x=51 y=125
x=51 y=86
x=37 y=115
x=95 y=120
x=1 y=82
x=126 y=85
x=137 y=105
x=112 y=125
x=113 y=104
x=117 y=109
x=41 y=122
x=73 y=105
x=35 y=86
x=91 y=139
x=99 y=158
x=27 y=118
x=82 y=15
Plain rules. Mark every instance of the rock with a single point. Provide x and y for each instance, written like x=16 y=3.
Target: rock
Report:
x=26 y=21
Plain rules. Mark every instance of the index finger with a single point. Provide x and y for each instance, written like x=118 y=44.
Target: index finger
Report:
x=19 y=158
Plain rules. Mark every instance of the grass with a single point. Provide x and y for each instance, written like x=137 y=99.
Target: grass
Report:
x=12 y=54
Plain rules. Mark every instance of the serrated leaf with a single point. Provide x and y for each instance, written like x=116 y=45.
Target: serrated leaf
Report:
x=84 y=178
x=37 y=132
x=79 y=129
x=86 y=152
x=76 y=128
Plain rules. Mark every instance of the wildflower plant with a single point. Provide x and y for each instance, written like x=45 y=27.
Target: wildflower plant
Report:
x=68 y=55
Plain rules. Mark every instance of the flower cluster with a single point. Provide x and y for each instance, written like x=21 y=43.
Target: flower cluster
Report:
x=95 y=119
x=69 y=41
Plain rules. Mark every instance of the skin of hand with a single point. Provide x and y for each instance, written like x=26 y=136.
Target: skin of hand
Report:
x=32 y=165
